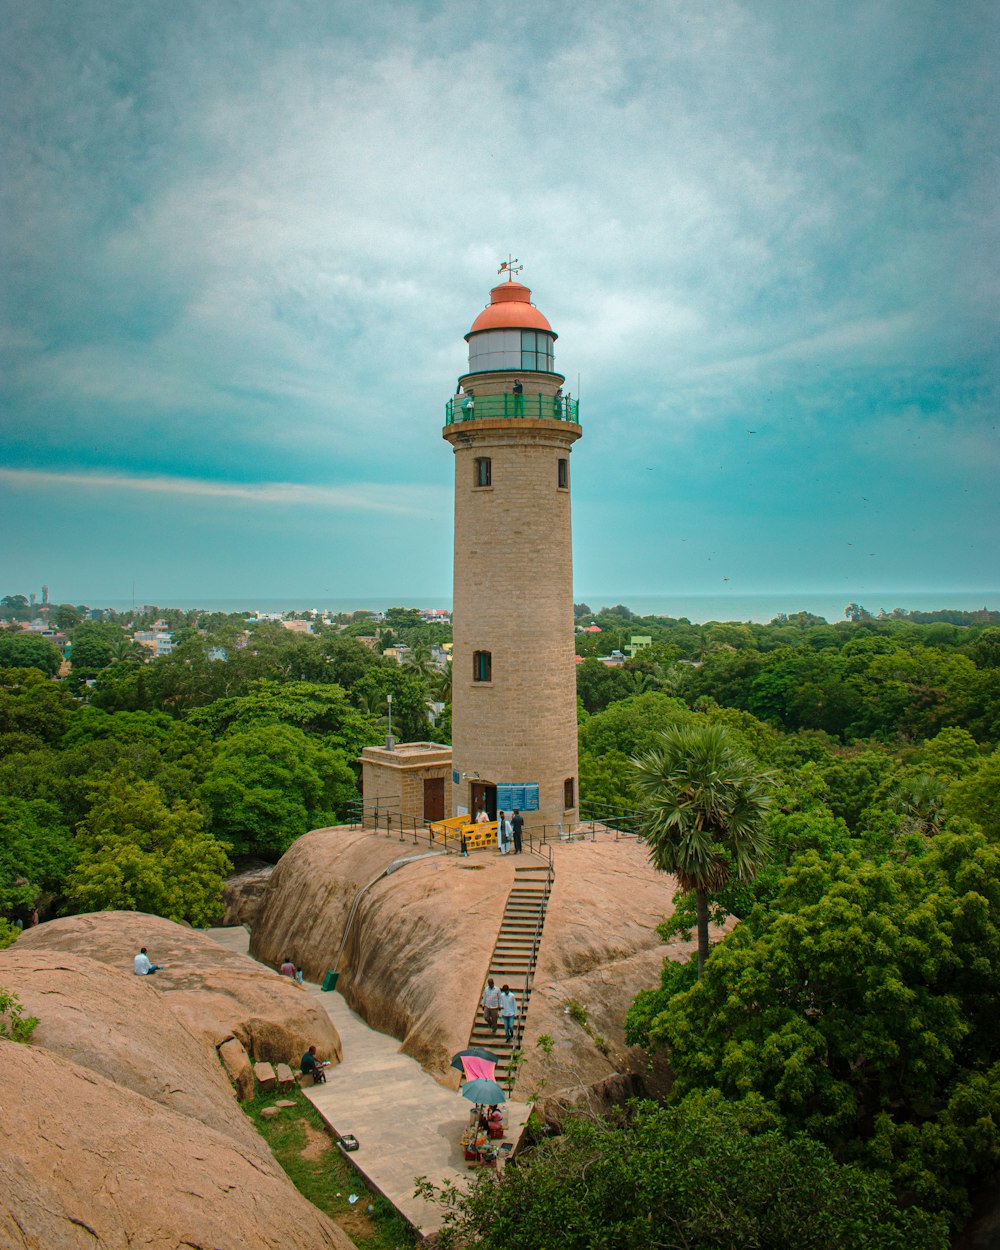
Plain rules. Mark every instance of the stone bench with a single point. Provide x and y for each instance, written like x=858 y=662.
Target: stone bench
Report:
x=286 y=1077
x=266 y=1076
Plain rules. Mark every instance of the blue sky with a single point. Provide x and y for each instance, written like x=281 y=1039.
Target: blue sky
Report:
x=243 y=243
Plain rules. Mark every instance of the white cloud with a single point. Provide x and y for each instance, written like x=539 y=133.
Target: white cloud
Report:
x=361 y=497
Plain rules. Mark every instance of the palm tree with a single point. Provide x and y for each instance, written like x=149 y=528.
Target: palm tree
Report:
x=703 y=812
x=126 y=651
x=920 y=800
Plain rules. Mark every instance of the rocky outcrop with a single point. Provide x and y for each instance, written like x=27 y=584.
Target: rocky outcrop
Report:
x=119 y=1027
x=418 y=947
x=217 y=993
x=243 y=894
x=89 y=1163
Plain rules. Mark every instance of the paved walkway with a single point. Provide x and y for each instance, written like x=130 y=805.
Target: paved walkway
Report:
x=407 y=1124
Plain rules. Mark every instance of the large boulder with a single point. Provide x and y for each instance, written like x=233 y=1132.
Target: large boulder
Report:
x=417 y=940
x=88 y=1163
x=216 y=992
x=120 y=1027
x=243 y=893
x=418 y=944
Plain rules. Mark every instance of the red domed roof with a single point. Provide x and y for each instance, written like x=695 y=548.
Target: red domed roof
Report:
x=510 y=308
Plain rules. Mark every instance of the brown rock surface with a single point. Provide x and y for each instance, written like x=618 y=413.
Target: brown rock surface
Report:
x=86 y=1163
x=217 y=993
x=237 y=1063
x=419 y=946
x=243 y=894
x=121 y=1028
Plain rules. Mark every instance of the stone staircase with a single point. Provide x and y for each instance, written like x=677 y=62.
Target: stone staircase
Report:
x=514 y=956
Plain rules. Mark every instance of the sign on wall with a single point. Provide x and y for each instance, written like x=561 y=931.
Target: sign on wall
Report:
x=524 y=797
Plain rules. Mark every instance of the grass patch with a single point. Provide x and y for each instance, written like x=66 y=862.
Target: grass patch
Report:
x=321 y=1172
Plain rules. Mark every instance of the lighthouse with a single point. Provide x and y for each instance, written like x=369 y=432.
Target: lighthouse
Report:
x=512 y=428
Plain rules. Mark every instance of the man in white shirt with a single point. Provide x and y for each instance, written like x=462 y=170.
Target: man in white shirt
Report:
x=144 y=965
x=491 y=1004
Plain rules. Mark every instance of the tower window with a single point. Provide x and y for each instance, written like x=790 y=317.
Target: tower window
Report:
x=563 y=473
x=484 y=471
x=569 y=792
x=482 y=666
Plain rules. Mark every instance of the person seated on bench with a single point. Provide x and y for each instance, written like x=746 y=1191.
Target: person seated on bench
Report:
x=311 y=1066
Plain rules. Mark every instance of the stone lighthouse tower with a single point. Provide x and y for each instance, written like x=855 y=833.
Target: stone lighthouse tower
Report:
x=513 y=669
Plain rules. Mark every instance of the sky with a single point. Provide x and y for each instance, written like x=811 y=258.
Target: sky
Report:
x=242 y=243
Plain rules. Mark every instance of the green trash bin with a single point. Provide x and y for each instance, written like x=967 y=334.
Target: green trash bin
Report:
x=330 y=980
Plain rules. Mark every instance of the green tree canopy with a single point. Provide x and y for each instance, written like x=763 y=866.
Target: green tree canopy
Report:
x=36 y=852
x=699 y=1176
x=19 y=649
x=320 y=710
x=272 y=783
x=861 y=1006
x=136 y=853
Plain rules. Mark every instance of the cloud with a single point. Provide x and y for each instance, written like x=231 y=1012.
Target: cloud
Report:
x=360 y=497
x=248 y=238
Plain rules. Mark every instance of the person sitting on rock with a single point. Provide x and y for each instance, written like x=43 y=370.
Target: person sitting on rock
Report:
x=311 y=1066
x=143 y=965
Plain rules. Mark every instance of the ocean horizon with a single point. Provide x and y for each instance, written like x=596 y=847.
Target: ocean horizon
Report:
x=697 y=608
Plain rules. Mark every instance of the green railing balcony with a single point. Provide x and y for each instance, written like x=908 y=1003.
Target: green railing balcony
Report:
x=511 y=407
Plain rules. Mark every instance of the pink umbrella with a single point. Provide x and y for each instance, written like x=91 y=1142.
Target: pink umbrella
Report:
x=476 y=1068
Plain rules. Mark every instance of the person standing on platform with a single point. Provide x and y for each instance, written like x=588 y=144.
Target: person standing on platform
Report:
x=508 y=1012
x=503 y=833
x=491 y=1004
x=517 y=827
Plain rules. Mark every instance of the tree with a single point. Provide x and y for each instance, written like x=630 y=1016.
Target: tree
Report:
x=125 y=650
x=862 y=1006
x=16 y=607
x=93 y=647
x=321 y=710
x=66 y=616
x=633 y=725
x=270 y=784
x=23 y=650
x=976 y=796
x=704 y=807
x=703 y=1175
x=36 y=852
x=136 y=853
x=410 y=721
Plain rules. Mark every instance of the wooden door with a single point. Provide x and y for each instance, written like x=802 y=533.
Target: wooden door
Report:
x=487 y=796
x=433 y=799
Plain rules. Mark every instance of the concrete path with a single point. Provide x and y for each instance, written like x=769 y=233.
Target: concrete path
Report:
x=407 y=1124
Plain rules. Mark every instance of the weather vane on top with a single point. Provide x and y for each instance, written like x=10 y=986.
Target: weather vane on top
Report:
x=510 y=267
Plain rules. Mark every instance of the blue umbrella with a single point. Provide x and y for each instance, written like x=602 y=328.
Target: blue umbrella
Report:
x=483 y=1093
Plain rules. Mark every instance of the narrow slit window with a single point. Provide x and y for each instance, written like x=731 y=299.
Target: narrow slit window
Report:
x=569 y=792
x=484 y=471
x=482 y=666
x=563 y=473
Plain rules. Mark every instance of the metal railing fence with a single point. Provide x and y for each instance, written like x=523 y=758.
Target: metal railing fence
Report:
x=511 y=407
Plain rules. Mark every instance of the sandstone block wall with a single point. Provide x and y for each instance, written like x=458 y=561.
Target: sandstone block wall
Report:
x=513 y=597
